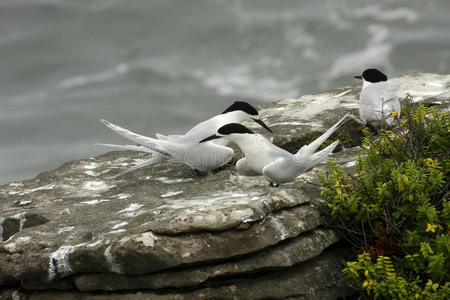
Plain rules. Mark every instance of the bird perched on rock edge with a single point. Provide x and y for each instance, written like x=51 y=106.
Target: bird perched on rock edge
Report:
x=264 y=158
x=378 y=101
x=186 y=148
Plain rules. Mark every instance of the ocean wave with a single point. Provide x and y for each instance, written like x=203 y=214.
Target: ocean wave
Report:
x=386 y=15
x=103 y=76
x=376 y=53
x=242 y=82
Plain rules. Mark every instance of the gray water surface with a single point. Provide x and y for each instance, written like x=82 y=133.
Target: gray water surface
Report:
x=164 y=65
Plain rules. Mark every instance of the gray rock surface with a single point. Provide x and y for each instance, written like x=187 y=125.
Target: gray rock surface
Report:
x=79 y=232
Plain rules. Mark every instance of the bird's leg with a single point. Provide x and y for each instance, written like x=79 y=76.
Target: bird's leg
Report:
x=234 y=159
x=275 y=185
x=199 y=173
x=217 y=170
x=232 y=162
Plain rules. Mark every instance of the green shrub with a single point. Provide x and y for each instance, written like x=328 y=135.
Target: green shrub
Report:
x=394 y=209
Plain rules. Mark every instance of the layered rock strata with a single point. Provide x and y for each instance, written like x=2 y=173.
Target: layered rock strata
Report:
x=79 y=232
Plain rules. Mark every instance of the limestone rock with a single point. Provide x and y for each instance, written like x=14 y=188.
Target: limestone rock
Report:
x=79 y=232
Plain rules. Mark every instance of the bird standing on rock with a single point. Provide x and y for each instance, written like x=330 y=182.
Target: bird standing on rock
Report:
x=378 y=101
x=186 y=149
x=264 y=158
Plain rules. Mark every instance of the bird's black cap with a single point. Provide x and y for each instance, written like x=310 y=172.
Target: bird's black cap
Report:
x=241 y=105
x=233 y=128
x=372 y=75
x=228 y=129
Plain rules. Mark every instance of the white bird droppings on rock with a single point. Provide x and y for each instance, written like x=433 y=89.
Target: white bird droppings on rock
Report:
x=15 y=295
x=93 y=202
x=120 y=225
x=91 y=173
x=122 y=196
x=132 y=210
x=112 y=264
x=279 y=227
x=91 y=166
x=171 y=194
x=21 y=217
x=95 y=243
x=170 y=181
x=66 y=229
x=59 y=262
x=25 y=202
x=44 y=187
x=96 y=186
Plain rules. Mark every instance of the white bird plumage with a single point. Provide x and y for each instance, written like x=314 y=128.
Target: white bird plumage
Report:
x=186 y=148
x=276 y=164
x=378 y=99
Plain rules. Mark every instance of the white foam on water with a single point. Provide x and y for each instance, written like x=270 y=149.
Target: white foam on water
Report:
x=112 y=264
x=87 y=79
x=378 y=14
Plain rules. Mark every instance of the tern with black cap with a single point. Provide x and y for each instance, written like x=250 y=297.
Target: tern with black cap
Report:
x=186 y=148
x=264 y=158
x=378 y=100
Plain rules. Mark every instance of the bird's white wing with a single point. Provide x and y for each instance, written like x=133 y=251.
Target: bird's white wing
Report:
x=154 y=144
x=390 y=99
x=155 y=159
x=206 y=128
x=279 y=171
x=171 y=137
x=308 y=150
x=243 y=168
x=128 y=147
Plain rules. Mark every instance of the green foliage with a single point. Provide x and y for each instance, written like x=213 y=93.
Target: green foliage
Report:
x=394 y=208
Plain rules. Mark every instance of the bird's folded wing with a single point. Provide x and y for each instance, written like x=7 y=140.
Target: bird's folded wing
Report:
x=389 y=93
x=172 y=137
x=128 y=147
x=154 y=144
